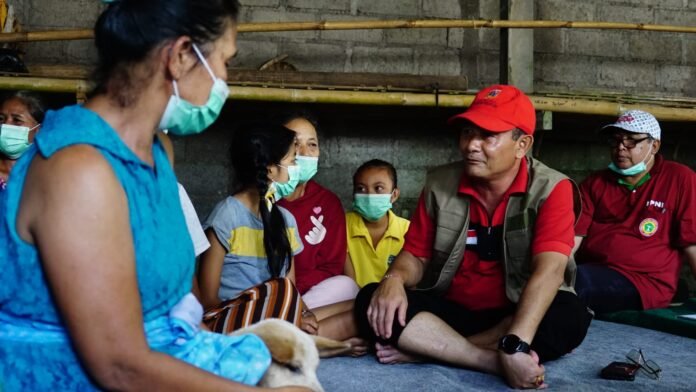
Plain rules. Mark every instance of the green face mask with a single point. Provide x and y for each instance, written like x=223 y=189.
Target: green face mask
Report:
x=285 y=189
x=308 y=167
x=633 y=170
x=183 y=118
x=372 y=207
x=14 y=140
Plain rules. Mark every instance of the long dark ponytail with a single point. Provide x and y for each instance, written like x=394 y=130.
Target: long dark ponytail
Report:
x=254 y=148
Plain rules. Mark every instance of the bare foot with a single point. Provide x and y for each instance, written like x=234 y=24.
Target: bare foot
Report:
x=358 y=346
x=390 y=355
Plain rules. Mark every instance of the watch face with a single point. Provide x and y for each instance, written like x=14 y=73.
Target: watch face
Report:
x=511 y=344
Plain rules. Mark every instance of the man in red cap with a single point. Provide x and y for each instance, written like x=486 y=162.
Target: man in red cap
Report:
x=485 y=277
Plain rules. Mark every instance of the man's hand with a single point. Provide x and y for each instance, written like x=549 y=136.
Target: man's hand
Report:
x=309 y=323
x=522 y=371
x=388 y=300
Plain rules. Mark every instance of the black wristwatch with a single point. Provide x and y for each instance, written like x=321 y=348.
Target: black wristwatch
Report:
x=511 y=344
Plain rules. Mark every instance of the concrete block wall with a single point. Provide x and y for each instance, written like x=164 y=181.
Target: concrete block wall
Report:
x=350 y=135
x=450 y=52
x=565 y=60
x=616 y=61
x=416 y=139
x=412 y=139
x=417 y=51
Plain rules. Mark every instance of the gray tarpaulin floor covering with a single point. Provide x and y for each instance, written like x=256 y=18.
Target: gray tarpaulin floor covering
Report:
x=578 y=371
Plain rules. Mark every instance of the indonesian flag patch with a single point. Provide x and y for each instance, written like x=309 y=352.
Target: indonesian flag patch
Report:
x=471 y=238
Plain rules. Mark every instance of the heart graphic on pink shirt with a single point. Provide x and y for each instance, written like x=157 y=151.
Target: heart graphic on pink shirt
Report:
x=317 y=210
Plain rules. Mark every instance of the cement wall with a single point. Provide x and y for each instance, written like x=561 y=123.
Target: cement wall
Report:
x=565 y=60
x=415 y=139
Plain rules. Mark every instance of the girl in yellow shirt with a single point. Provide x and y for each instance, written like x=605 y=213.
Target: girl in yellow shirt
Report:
x=375 y=233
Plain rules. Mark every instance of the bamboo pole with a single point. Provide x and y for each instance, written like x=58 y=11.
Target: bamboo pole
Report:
x=457 y=23
x=47 y=85
x=541 y=102
x=52 y=35
x=64 y=35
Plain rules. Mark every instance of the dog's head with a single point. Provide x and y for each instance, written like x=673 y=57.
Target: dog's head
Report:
x=295 y=353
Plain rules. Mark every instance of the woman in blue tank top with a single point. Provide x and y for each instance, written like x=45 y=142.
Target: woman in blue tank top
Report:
x=97 y=263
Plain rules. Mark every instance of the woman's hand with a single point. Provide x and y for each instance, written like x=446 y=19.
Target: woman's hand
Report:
x=309 y=322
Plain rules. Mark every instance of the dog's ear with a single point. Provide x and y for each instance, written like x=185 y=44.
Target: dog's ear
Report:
x=282 y=349
x=329 y=347
x=279 y=343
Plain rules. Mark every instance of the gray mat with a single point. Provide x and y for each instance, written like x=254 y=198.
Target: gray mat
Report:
x=578 y=371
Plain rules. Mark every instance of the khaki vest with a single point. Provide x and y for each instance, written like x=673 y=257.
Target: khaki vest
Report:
x=450 y=211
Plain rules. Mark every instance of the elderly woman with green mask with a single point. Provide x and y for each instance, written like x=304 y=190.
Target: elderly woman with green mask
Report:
x=21 y=114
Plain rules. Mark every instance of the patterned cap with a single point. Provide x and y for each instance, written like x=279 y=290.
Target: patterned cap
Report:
x=637 y=121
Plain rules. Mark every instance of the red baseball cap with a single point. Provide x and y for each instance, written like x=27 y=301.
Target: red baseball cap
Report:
x=500 y=108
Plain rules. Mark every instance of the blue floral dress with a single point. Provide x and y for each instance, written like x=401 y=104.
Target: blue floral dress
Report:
x=35 y=349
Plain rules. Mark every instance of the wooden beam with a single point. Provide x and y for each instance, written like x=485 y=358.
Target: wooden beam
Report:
x=328 y=80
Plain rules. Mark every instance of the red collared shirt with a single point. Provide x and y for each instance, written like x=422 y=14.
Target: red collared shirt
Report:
x=640 y=232
x=480 y=280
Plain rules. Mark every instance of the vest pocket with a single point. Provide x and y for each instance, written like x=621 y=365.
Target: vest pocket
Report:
x=447 y=232
x=518 y=244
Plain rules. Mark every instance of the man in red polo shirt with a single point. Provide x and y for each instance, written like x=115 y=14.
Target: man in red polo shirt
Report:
x=484 y=280
x=638 y=221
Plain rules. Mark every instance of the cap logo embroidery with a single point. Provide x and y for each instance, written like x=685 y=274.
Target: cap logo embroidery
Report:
x=626 y=118
x=648 y=227
x=493 y=93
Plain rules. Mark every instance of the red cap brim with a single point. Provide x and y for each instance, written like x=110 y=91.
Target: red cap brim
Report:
x=482 y=120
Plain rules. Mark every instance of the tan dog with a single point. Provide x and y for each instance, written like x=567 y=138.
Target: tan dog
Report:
x=295 y=353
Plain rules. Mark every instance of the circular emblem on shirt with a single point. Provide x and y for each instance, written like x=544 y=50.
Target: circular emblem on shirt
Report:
x=648 y=227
